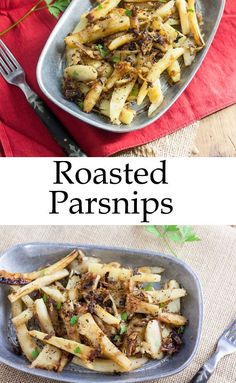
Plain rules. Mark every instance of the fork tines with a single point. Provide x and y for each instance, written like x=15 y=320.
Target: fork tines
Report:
x=230 y=332
x=8 y=63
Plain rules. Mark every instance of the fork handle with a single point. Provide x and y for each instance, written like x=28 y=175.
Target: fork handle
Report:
x=202 y=376
x=54 y=126
x=205 y=372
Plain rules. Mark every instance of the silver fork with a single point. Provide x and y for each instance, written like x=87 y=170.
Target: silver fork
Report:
x=14 y=74
x=226 y=345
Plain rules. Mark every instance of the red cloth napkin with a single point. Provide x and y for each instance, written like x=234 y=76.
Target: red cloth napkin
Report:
x=23 y=134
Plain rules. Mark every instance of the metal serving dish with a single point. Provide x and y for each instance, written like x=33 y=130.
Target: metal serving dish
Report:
x=51 y=65
x=28 y=257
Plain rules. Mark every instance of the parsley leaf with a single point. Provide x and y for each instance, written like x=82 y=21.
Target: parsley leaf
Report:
x=100 y=6
x=153 y=230
x=128 y=12
x=73 y=320
x=74 y=75
x=35 y=353
x=149 y=286
x=190 y=10
x=134 y=92
x=77 y=350
x=56 y=7
x=58 y=306
x=124 y=316
x=102 y=50
x=80 y=105
x=116 y=338
x=44 y=298
x=123 y=329
x=115 y=59
x=181 y=330
x=174 y=233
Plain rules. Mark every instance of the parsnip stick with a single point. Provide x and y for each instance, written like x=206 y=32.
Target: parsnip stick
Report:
x=43 y=316
x=161 y=296
x=80 y=350
x=183 y=15
x=106 y=365
x=194 y=26
x=23 y=317
x=27 y=343
x=37 y=284
x=102 y=10
x=105 y=316
x=89 y=328
x=133 y=304
x=48 y=359
x=102 y=29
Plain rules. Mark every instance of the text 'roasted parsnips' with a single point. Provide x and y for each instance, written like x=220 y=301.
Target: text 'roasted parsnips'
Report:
x=119 y=50
x=103 y=317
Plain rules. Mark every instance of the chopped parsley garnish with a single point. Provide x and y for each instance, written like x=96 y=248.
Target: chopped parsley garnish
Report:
x=58 y=306
x=73 y=320
x=116 y=338
x=74 y=75
x=35 y=353
x=190 y=10
x=100 y=6
x=80 y=105
x=134 y=91
x=44 y=298
x=162 y=1
x=162 y=305
x=115 y=59
x=123 y=329
x=148 y=287
x=124 y=316
x=181 y=330
x=102 y=50
x=77 y=350
x=128 y=12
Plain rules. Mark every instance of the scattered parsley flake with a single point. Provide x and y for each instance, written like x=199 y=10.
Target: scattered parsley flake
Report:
x=148 y=287
x=77 y=350
x=115 y=59
x=80 y=105
x=102 y=50
x=123 y=329
x=35 y=353
x=128 y=12
x=162 y=305
x=124 y=316
x=44 y=298
x=73 y=320
x=135 y=91
x=116 y=338
x=181 y=330
x=190 y=10
x=74 y=75
x=58 y=306
x=100 y=6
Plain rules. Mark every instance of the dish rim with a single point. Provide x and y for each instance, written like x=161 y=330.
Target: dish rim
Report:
x=103 y=125
x=128 y=378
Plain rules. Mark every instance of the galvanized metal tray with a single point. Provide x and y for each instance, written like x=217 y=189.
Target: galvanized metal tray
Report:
x=51 y=64
x=28 y=257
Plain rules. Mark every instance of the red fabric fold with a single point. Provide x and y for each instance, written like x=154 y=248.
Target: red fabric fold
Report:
x=23 y=134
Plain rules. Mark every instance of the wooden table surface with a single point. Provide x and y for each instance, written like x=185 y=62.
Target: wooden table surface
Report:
x=216 y=136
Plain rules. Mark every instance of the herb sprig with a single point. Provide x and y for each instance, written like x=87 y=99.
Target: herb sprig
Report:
x=55 y=7
x=174 y=233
